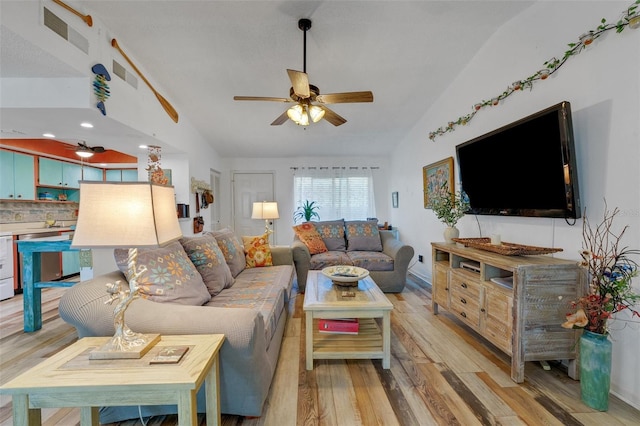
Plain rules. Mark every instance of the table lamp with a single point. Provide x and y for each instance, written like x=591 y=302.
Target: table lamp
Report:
x=125 y=215
x=267 y=210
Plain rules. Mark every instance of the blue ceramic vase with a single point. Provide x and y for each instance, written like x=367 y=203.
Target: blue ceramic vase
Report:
x=595 y=369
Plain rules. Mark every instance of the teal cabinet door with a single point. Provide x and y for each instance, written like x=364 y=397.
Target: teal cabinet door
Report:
x=17 y=179
x=92 y=173
x=25 y=181
x=129 y=175
x=49 y=172
x=71 y=175
x=70 y=263
x=113 y=175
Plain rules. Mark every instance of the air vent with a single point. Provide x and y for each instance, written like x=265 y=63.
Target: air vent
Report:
x=127 y=76
x=58 y=26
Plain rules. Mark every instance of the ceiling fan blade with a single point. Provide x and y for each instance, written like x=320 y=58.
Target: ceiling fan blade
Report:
x=346 y=97
x=300 y=83
x=260 y=98
x=332 y=117
x=281 y=119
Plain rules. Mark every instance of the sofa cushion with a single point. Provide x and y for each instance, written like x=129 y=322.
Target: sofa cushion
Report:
x=332 y=233
x=170 y=275
x=308 y=234
x=232 y=249
x=262 y=289
x=329 y=258
x=257 y=251
x=209 y=261
x=371 y=260
x=363 y=235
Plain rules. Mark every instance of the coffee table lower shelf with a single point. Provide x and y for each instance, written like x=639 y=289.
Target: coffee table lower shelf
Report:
x=367 y=344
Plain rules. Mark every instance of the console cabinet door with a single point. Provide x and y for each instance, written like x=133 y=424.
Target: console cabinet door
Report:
x=441 y=285
x=497 y=316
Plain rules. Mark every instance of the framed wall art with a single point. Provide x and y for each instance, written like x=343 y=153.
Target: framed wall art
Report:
x=435 y=176
x=394 y=199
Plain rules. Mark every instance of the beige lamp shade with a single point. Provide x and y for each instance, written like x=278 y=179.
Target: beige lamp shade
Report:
x=265 y=210
x=125 y=214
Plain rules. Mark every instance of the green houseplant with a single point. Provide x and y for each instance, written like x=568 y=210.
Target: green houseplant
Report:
x=449 y=209
x=306 y=211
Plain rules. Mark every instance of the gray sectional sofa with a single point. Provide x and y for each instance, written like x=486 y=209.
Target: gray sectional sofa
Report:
x=250 y=311
x=357 y=243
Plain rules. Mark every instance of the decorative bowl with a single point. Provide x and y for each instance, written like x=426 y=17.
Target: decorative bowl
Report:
x=345 y=275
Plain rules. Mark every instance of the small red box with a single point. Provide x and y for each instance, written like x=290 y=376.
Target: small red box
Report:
x=339 y=326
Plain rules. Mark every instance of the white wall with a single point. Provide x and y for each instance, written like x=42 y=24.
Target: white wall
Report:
x=603 y=86
x=283 y=191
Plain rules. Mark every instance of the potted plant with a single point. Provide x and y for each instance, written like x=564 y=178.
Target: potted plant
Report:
x=306 y=211
x=610 y=270
x=449 y=209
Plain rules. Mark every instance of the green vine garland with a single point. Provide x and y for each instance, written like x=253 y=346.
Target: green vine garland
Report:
x=630 y=17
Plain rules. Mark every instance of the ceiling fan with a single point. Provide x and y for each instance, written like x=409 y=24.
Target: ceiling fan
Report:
x=85 y=151
x=310 y=104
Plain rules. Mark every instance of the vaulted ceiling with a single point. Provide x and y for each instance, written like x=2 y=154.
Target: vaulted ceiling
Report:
x=200 y=54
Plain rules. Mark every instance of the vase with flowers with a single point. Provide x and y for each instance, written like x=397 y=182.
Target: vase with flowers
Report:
x=610 y=270
x=449 y=209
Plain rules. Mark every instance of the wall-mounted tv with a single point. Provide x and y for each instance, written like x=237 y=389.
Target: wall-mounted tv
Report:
x=526 y=168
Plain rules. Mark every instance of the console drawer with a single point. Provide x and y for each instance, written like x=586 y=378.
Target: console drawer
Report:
x=465 y=297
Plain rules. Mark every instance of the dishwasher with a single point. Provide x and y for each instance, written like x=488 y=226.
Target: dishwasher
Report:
x=49 y=262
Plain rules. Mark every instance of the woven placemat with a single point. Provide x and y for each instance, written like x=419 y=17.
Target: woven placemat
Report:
x=505 y=248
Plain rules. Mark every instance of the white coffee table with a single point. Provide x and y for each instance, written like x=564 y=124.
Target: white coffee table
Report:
x=70 y=379
x=323 y=299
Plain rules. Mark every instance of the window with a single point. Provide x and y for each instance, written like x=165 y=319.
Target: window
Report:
x=341 y=192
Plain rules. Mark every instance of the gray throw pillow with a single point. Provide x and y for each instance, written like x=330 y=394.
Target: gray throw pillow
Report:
x=232 y=249
x=332 y=233
x=363 y=235
x=170 y=275
x=209 y=261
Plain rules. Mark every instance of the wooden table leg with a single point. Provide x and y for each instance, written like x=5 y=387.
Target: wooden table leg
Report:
x=386 y=339
x=22 y=415
x=32 y=297
x=89 y=416
x=187 y=410
x=212 y=394
x=309 y=339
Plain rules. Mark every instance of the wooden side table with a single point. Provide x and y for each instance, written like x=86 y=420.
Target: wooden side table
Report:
x=70 y=379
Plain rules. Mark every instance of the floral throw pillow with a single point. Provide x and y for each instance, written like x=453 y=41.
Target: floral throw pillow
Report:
x=257 y=251
x=231 y=248
x=209 y=261
x=309 y=235
x=363 y=235
x=170 y=275
x=332 y=233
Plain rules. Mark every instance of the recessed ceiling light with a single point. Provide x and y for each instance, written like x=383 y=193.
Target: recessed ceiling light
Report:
x=87 y=125
x=143 y=146
x=48 y=135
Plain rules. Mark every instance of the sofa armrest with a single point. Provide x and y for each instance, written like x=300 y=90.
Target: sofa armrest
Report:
x=400 y=252
x=282 y=255
x=302 y=262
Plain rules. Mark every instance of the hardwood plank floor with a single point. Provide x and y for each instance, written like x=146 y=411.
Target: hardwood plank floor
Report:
x=441 y=373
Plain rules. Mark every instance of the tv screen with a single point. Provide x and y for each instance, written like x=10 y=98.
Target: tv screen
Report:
x=526 y=168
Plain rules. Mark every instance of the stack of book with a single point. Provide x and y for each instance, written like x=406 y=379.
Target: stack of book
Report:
x=339 y=326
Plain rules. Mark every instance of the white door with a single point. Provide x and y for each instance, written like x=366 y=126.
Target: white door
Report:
x=247 y=189
x=215 y=206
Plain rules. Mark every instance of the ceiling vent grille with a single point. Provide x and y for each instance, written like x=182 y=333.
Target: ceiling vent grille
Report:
x=127 y=76
x=58 y=26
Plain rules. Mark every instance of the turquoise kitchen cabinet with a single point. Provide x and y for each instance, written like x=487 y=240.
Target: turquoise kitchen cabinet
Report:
x=59 y=173
x=121 y=175
x=92 y=173
x=129 y=175
x=17 y=179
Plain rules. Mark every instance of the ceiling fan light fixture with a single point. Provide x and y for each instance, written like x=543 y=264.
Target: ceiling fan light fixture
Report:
x=316 y=113
x=84 y=153
x=299 y=114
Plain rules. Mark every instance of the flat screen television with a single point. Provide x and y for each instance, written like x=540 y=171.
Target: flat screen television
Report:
x=526 y=168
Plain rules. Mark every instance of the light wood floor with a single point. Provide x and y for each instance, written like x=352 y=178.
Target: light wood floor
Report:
x=441 y=373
